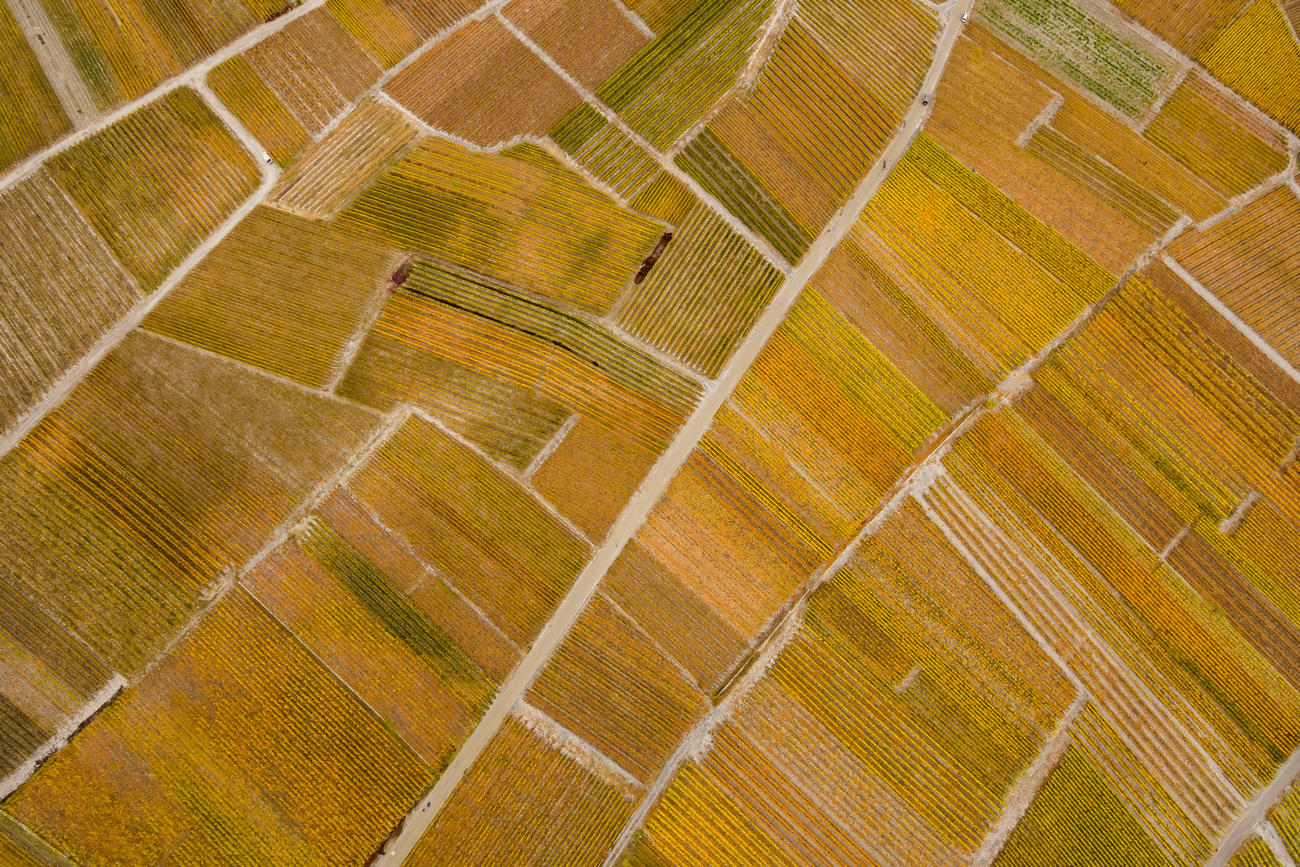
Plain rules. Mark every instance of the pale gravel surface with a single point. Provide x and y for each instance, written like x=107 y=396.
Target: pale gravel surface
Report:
x=192 y=76
x=1226 y=312
x=1256 y=811
x=1025 y=788
x=19 y=775
x=52 y=54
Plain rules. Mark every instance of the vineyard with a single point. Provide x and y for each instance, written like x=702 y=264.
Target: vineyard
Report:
x=49 y=675
x=389 y=32
x=528 y=800
x=216 y=749
x=1254 y=277
x=1285 y=817
x=610 y=685
x=1076 y=819
x=606 y=42
x=791 y=151
x=370 y=552
x=280 y=293
x=650 y=432
x=158 y=473
x=122 y=50
x=48 y=324
x=592 y=473
x=484 y=86
x=157 y=182
x=333 y=170
x=238 y=85
x=506 y=371
x=530 y=222
x=603 y=150
x=703 y=295
x=846 y=723
x=1255 y=852
x=1261 y=30
x=510 y=556
x=936 y=227
x=1210 y=134
x=32 y=114
x=345 y=611
x=675 y=78
x=313 y=68
x=1092 y=56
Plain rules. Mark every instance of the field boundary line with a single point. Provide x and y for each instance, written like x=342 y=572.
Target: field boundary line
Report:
x=52 y=54
x=1269 y=835
x=1123 y=671
x=785 y=624
x=1042 y=119
x=1226 y=312
x=551 y=446
x=511 y=474
x=797 y=467
x=228 y=578
x=575 y=746
x=1255 y=811
x=1143 y=121
x=189 y=77
x=610 y=323
x=1020 y=796
x=382 y=721
x=253 y=370
x=697 y=741
x=1191 y=65
x=977 y=566
x=370 y=313
x=399 y=539
x=762 y=246
x=914 y=483
x=654 y=642
x=63 y=734
x=234 y=124
x=783 y=12
x=572 y=164
x=917 y=477
x=637 y=21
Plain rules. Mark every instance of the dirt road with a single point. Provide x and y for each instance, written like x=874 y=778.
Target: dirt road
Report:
x=192 y=76
x=670 y=462
x=55 y=61
x=1255 y=811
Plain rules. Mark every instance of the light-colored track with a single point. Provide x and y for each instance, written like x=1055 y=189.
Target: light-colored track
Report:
x=56 y=63
x=634 y=514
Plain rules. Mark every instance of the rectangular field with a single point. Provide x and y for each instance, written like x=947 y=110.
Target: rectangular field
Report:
x=240 y=748
x=503 y=549
x=505 y=371
x=158 y=181
x=160 y=471
x=530 y=222
x=281 y=293
x=483 y=85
